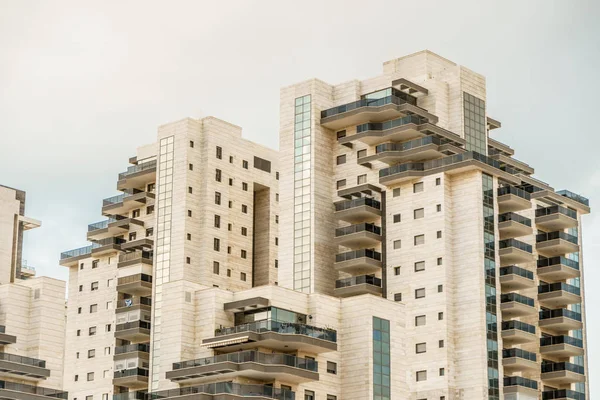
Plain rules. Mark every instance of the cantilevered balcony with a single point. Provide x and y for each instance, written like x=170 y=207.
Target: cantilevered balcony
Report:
x=557 y=269
x=516 y=305
x=562 y=373
x=356 y=285
x=511 y=225
x=135 y=285
x=248 y=364
x=517 y=332
x=559 y=294
x=133 y=378
x=18 y=391
x=137 y=176
x=113 y=226
x=517 y=360
x=555 y=218
x=562 y=394
x=556 y=243
x=224 y=391
x=396 y=130
x=124 y=203
x=281 y=336
x=142 y=244
x=133 y=258
x=425 y=148
x=139 y=350
x=134 y=331
x=97 y=248
x=519 y=387
x=358 y=236
x=358 y=210
x=561 y=346
x=5 y=338
x=513 y=251
x=512 y=199
x=25 y=368
x=358 y=262
x=137 y=303
x=560 y=320
x=575 y=197
x=515 y=278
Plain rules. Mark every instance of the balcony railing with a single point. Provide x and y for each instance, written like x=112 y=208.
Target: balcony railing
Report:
x=134 y=278
x=521 y=326
x=563 y=394
x=505 y=244
x=137 y=168
x=520 y=381
x=145 y=301
x=519 y=298
x=519 y=353
x=133 y=325
x=513 y=190
x=269 y=325
x=546 y=262
x=77 y=252
x=130 y=372
x=351 y=255
x=137 y=395
x=540 y=212
x=252 y=356
x=544 y=237
x=560 y=312
x=363 y=201
x=562 y=366
x=129 y=348
x=109 y=201
x=563 y=339
x=226 y=388
x=514 y=270
x=135 y=256
x=559 y=286
x=573 y=196
x=397 y=98
x=104 y=224
x=365 y=227
x=511 y=216
x=358 y=280
x=22 y=360
x=413 y=144
x=382 y=126
x=36 y=390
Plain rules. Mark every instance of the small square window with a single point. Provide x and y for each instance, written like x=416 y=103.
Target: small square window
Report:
x=331 y=397
x=244 y=209
x=438 y=181
x=361 y=153
x=81 y=266
x=341 y=183
x=216 y=267
x=419 y=293
x=341 y=159
x=340 y=134
x=189 y=236
x=244 y=164
x=93 y=308
x=331 y=368
x=397 y=244
x=149 y=210
x=243 y=254
x=243 y=276
x=439 y=234
x=79 y=310
x=396 y=270
x=419 y=213
x=244 y=231
x=440 y=316
x=397 y=296
x=421 y=348
x=188 y=260
x=190 y=190
x=76 y=378
x=108 y=327
x=439 y=261
x=95 y=264
x=92 y=331
x=397 y=218
x=420 y=320
x=419 y=240
x=442 y=372
x=441 y=344
x=90 y=377
x=244 y=186
x=438 y=208
x=421 y=376
x=396 y=192
x=418 y=187
x=94 y=286
x=361 y=179
x=440 y=288
x=420 y=266
x=91 y=353
x=81 y=288
x=78 y=332
x=189 y=213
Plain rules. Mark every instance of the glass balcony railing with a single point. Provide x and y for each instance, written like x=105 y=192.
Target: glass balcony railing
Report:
x=131 y=372
x=505 y=244
x=137 y=395
x=113 y=200
x=236 y=389
x=137 y=168
x=560 y=312
x=413 y=144
x=562 y=394
x=511 y=216
x=383 y=126
x=559 y=286
x=513 y=190
x=546 y=262
x=562 y=366
x=34 y=362
x=563 y=339
x=518 y=325
x=351 y=255
x=134 y=278
x=573 y=196
x=136 y=255
x=133 y=325
x=76 y=252
x=544 y=237
x=35 y=390
x=269 y=325
x=540 y=212
x=104 y=224
x=134 y=302
x=518 y=298
x=520 y=381
x=129 y=348
x=519 y=353
x=514 y=270
x=365 y=227
x=252 y=356
x=358 y=280
x=363 y=201
x=396 y=97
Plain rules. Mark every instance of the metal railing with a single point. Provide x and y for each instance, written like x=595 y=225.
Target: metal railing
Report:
x=129 y=348
x=397 y=98
x=134 y=278
x=131 y=372
x=511 y=216
x=518 y=325
x=77 y=252
x=560 y=312
x=136 y=255
x=36 y=390
x=540 y=212
x=351 y=255
x=546 y=262
x=563 y=339
x=363 y=201
x=563 y=394
x=109 y=201
x=519 y=353
x=516 y=297
x=137 y=395
x=505 y=244
x=252 y=356
x=562 y=366
x=348 y=230
x=145 y=301
x=269 y=325
x=544 y=237
x=383 y=126
x=133 y=325
x=573 y=196
x=226 y=388
x=413 y=144
x=137 y=168
x=358 y=280
x=559 y=286
x=22 y=360
x=514 y=270
x=520 y=381
x=104 y=224
x=513 y=190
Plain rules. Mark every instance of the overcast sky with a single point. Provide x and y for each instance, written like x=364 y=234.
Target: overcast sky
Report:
x=82 y=87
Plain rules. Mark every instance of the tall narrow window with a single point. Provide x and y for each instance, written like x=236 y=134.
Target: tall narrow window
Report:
x=219 y=152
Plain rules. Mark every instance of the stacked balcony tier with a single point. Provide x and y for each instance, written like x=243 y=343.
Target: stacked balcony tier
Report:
x=517 y=332
x=358 y=262
x=357 y=285
x=517 y=360
x=137 y=176
x=512 y=199
x=562 y=373
x=516 y=305
x=513 y=251
x=133 y=378
x=561 y=346
x=557 y=269
x=222 y=391
x=425 y=148
x=25 y=368
x=18 y=391
x=129 y=200
x=515 y=278
x=511 y=225
x=560 y=320
x=558 y=294
x=358 y=235
x=5 y=338
x=358 y=210
x=555 y=218
x=113 y=226
x=519 y=387
x=556 y=243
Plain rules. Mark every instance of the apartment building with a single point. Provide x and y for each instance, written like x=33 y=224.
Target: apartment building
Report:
x=32 y=313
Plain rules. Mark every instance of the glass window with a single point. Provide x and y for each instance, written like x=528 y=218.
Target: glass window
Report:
x=438 y=208
x=216 y=267
x=397 y=218
x=419 y=213
x=420 y=320
x=419 y=293
x=331 y=367
x=419 y=240
x=396 y=192
x=421 y=376
x=381 y=359
x=420 y=266
x=341 y=159
x=217 y=198
x=396 y=270
x=341 y=183
x=361 y=179
x=418 y=187
x=219 y=152
x=421 y=348
x=397 y=244
x=361 y=153
x=438 y=181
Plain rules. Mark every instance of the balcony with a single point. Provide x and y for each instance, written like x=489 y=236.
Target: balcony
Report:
x=515 y=278
x=357 y=285
x=560 y=320
x=135 y=285
x=516 y=305
x=135 y=331
x=358 y=236
x=575 y=197
x=138 y=303
x=396 y=130
x=556 y=244
x=511 y=225
x=555 y=218
x=517 y=360
x=275 y=335
x=518 y=387
x=139 y=350
x=557 y=269
x=137 y=176
x=513 y=251
x=124 y=203
x=558 y=295
x=23 y=367
x=512 y=199
x=425 y=148
x=113 y=226
x=6 y=339
x=143 y=244
x=70 y=258
x=561 y=346
x=562 y=394
x=18 y=391
x=248 y=364
x=134 y=378
x=224 y=391
x=358 y=210
x=358 y=262
x=133 y=258
x=517 y=332
x=562 y=373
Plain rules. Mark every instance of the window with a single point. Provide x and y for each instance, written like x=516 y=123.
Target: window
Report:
x=421 y=348
x=276 y=219
x=135 y=213
x=419 y=293
x=276 y=263
x=228 y=272
x=440 y=316
x=441 y=344
x=92 y=331
x=442 y=372
x=190 y=190
x=244 y=186
x=217 y=198
x=341 y=159
x=109 y=305
x=231 y=159
x=438 y=208
x=331 y=368
x=277 y=175
x=149 y=210
x=150 y=187
x=396 y=270
x=396 y=192
x=397 y=244
x=191 y=166
x=277 y=197
x=230 y=181
x=243 y=254
x=331 y=397
x=94 y=308
x=217 y=221
x=218 y=175
x=189 y=213
x=107 y=351
x=95 y=264
x=243 y=276
x=228 y=249
x=77 y=355
x=397 y=218
x=76 y=378
x=276 y=241
x=397 y=296
x=420 y=320
x=341 y=134
x=421 y=376
x=216 y=267
x=78 y=310
x=132 y=236
x=105 y=374
x=419 y=240
x=419 y=213
x=244 y=209
x=78 y=332
x=191 y=143
x=420 y=266
x=149 y=232
x=189 y=236
x=188 y=260
x=81 y=288
x=81 y=266
x=94 y=286
x=229 y=227
x=361 y=153
x=341 y=183
x=90 y=376
x=217 y=244
x=244 y=231
x=439 y=234
x=309 y=395
x=230 y=204
x=440 y=288
x=244 y=164
x=439 y=261
x=92 y=353
x=361 y=179
x=418 y=187
x=438 y=181
x=219 y=153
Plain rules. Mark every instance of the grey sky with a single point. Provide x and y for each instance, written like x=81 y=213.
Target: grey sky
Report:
x=82 y=86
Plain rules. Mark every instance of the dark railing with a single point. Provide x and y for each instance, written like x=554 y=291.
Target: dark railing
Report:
x=543 y=237
x=137 y=168
x=358 y=280
x=546 y=262
x=560 y=312
x=573 y=196
x=559 y=286
x=348 y=230
x=383 y=126
x=363 y=201
x=129 y=348
x=104 y=224
x=413 y=144
x=520 y=381
x=226 y=388
x=269 y=325
x=563 y=339
x=521 y=326
x=134 y=278
x=145 y=301
x=135 y=256
x=252 y=356
x=540 y=212
x=131 y=372
x=563 y=394
x=109 y=201
x=514 y=270
x=562 y=366
x=397 y=98
x=518 y=353
x=137 y=395
x=519 y=298
x=511 y=216
x=22 y=360
x=133 y=325
x=36 y=390
x=513 y=190
x=351 y=255
x=504 y=244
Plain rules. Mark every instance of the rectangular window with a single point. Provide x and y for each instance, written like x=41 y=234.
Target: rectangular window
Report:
x=230 y=204
x=331 y=367
x=341 y=183
x=331 y=397
x=419 y=240
x=94 y=308
x=189 y=213
x=191 y=166
x=361 y=179
x=189 y=236
x=230 y=181
x=441 y=344
x=217 y=221
x=421 y=348
x=149 y=210
x=150 y=187
x=438 y=181
x=397 y=296
x=419 y=213
x=217 y=244
x=219 y=153
x=396 y=270
x=79 y=310
x=243 y=254
x=420 y=266
x=216 y=267
x=341 y=159
x=217 y=198
x=244 y=164
x=230 y=159
x=309 y=395
x=107 y=351
x=397 y=218
x=229 y=227
x=418 y=187
x=244 y=209
x=361 y=153
x=218 y=175
x=92 y=353
x=262 y=164
x=397 y=244
x=396 y=192
x=94 y=286
x=440 y=288
x=136 y=213
x=188 y=260
x=190 y=190
x=340 y=134
x=81 y=288
x=440 y=316
x=244 y=186
x=439 y=261
x=92 y=331
x=90 y=376
x=442 y=373
x=191 y=143
x=439 y=234
x=419 y=293
x=381 y=358
x=438 y=208
x=132 y=236
x=95 y=264
x=421 y=376
x=244 y=231
x=228 y=272
x=243 y=276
